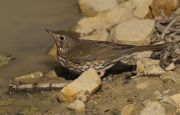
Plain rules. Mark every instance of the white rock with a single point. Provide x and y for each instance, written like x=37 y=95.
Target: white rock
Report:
x=153 y=108
x=133 y=32
x=127 y=109
x=83 y=96
x=173 y=75
x=157 y=95
x=93 y=7
x=99 y=35
x=141 y=8
x=173 y=100
x=170 y=67
x=166 y=91
x=106 y=20
x=87 y=81
x=34 y=75
x=51 y=74
x=77 y=105
x=147 y=66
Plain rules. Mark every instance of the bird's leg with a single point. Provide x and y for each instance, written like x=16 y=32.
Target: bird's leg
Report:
x=101 y=73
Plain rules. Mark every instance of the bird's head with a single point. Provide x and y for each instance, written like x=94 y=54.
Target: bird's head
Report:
x=64 y=40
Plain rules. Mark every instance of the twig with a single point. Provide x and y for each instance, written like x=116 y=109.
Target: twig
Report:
x=35 y=87
x=111 y=88
x=175 y=30
x=169 y=25
x=162 y=13
x=159 y=11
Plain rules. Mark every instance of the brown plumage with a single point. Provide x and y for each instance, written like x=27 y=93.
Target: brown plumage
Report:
x=79 y=55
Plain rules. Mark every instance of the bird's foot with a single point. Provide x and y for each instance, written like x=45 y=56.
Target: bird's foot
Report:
x=101 y=73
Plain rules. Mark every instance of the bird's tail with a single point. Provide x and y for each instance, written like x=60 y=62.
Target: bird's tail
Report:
x=146 y=48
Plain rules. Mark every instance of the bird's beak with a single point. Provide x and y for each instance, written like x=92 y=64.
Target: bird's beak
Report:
x=49 y=31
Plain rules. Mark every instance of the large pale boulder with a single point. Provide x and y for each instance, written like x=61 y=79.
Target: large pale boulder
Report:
x=133 y=32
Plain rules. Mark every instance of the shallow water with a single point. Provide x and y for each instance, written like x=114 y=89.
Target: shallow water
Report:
x=22 y=34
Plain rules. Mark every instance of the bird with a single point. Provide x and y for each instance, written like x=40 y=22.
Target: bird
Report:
x=79 y=55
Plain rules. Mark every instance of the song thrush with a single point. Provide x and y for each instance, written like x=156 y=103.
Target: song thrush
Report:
x=79 y=55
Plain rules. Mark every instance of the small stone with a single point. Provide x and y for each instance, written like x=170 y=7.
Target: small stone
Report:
x=51 y=74
x=157 y=95
x=170 y=67
x=83 y=96
x=153 y=108
x=173 y=100
x=130 y=34
x=166 y=91
x=147 y=66
x=93 y=7
x=127 y=109
x=171 y=75
x=77 y=105
x=87 y=81
x=34 y=75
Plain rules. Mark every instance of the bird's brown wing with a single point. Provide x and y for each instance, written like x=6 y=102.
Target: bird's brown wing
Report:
x=86 y=51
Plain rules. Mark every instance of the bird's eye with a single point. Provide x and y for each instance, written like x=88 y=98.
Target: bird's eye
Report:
x=62 y=37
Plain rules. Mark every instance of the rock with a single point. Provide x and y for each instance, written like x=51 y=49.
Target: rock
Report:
x=83 y=96
x=141 y=8
x=173 y=100
x=34 y=75
x=129 y=33
x=93 y=7
x=167 y=6
x=53 y=51
x=51 y=74
x=127 y=109
x=77 y=105
x=99 y=35
x=157 y=95
x=147 y=66
x=171 y=75
x=87 y=81
x=105 y=20
x=4 y=60
x=153 y=108
x=166 y=91
x=170 y=67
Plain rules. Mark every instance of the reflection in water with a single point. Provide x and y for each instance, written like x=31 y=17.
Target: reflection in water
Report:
x=22 y=34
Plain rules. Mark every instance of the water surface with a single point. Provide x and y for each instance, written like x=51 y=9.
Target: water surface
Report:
x=22 y=34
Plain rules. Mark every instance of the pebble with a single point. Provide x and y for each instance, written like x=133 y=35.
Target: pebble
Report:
x=127 y=109
x=153 y=108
